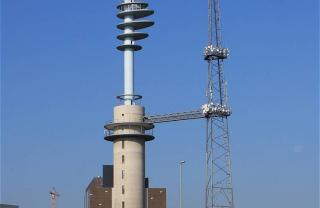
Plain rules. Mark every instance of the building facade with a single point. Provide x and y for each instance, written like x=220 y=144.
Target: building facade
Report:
x=99 y=192
x=98 y=196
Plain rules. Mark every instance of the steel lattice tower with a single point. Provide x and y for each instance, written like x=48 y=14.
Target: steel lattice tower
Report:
x=219 y=191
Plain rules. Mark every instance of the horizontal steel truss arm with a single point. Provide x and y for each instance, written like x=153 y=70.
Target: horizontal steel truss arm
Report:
x=207 y=111
x=175 y=116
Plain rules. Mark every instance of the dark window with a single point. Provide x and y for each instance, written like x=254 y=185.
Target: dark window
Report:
x=122 y=159
x=123 y=204
x=108 y=176
x=122 y=144
x=122 y=189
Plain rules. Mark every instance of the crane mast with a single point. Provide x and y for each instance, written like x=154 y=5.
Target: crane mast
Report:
x=53 y=196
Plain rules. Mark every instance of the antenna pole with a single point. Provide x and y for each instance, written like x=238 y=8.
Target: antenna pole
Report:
x=131 y=11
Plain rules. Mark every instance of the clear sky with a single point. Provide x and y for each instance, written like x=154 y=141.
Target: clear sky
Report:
x=60 y=73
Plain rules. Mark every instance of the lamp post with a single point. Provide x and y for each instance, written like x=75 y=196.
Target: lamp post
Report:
x=181 y=163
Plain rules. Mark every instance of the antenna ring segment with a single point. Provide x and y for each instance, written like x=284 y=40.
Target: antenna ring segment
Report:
x=129 y=97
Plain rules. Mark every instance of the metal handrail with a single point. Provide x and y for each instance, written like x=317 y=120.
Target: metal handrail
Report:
x=108 y=132
x=126 y=120
x=134 y=6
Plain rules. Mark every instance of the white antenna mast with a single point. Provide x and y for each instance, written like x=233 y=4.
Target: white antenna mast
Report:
x=130 y=11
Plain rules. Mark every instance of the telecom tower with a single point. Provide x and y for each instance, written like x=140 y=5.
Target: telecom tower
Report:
x=129 y=129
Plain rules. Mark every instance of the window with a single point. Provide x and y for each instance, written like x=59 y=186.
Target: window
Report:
x=122 y=144
x=122 y=174
x=122 y=159
x=123 y=204
x=122 y=189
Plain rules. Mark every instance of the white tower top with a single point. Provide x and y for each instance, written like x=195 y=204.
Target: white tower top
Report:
x=131 y=11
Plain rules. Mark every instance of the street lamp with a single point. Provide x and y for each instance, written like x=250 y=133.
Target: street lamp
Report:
x=181 y=163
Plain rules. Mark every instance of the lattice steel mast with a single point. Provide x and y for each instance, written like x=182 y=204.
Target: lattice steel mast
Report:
x=219 y=191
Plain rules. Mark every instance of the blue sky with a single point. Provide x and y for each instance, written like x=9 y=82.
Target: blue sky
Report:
x=60 y=73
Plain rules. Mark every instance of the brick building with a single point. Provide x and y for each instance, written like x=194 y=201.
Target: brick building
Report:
x=99 y=192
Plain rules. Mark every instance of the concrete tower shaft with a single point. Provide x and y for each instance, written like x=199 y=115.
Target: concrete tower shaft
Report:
x=129 y=158
x=128 y=131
